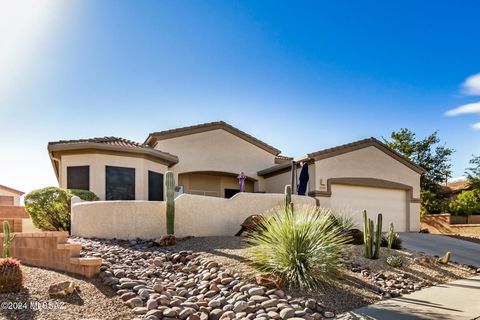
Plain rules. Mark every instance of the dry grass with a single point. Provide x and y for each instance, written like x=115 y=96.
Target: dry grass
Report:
x=350 y=292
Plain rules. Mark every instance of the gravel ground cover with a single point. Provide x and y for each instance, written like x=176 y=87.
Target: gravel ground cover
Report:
x=364 y=281
x=210 y=278
x=184 y=284
x=93 y=301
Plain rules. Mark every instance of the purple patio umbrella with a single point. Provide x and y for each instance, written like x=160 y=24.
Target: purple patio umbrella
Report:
x=241 y=181
x=302 y=186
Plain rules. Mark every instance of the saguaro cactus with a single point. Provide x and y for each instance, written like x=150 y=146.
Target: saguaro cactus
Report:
x=288 y=198
x=7 y=240
x=170 y=192
x=372 y=240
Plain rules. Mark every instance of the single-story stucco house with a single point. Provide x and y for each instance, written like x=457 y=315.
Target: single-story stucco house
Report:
x=206 y=159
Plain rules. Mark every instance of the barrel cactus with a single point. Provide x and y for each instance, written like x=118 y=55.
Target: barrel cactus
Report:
x=395 y=261
x=170 y=192
x=11 y=275
x=7 y=240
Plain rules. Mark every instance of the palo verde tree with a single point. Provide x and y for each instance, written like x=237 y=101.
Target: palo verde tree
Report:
x=431 y=155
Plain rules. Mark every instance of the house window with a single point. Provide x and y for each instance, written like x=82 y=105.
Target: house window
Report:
x=155 y=186
x=78 y=177
x=120 y=183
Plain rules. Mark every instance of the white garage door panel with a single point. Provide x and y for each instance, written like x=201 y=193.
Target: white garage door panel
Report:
x=354 y=199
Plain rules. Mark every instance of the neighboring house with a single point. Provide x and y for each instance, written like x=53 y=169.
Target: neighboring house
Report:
x=10 y=196
x=452 y=189
x=206 y=160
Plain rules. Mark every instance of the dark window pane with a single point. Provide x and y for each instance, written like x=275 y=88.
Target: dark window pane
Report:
x=155 y=186
x=78 y=177
x=231 y=192
x=120 y=183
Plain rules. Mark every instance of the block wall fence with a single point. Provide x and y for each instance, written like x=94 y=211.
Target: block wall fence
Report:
x=51 y=250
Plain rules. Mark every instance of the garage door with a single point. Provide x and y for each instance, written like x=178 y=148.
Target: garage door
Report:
x=354 y=199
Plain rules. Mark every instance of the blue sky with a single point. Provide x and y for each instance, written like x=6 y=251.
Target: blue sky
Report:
x=300 y=75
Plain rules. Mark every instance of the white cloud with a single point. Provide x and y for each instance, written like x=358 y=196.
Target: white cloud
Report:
x=476 y=126
x=464 y=109
x=471 y=85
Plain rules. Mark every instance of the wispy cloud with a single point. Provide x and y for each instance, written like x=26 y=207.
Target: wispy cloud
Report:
x=464 y=109
x=471 y=85
x=476 y=126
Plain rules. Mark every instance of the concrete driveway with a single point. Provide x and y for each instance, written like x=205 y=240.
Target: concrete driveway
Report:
x=434 y=244
x=455 y=300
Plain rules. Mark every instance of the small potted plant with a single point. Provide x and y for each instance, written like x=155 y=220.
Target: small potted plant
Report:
x=11 y=275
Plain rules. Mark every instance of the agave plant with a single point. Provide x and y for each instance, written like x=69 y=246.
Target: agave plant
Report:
x=395 y=261
x=304 y=248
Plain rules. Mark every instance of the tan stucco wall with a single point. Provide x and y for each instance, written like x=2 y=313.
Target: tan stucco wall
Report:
x=277 y=183
x=368 y=162
x=212 y=185
x=194 y=215
x=98 y=163
x=217 y=150
x=16 y=197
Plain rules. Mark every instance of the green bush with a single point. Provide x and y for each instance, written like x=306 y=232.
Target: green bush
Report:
x=49 y=207
x=396 y=241
x=432 y=202
x=304 y=248
x=467 y=203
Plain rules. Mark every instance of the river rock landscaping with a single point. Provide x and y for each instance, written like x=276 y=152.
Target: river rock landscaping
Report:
x=210 y=278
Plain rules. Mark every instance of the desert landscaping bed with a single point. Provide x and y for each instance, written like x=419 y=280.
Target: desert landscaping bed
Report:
x=91 y=300
x=211 y=278
x=363 y=282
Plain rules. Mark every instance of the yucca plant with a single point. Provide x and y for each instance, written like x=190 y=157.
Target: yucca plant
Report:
x=304 y=248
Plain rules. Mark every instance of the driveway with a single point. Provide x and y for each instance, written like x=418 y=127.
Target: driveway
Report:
x=434 y=244
x=455 y=300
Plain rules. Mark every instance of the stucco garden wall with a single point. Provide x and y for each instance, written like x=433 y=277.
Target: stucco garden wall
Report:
x=197 y=216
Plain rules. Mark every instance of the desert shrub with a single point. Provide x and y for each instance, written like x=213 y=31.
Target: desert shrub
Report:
x=49 y=207
x=394 y=261
x=356 y=236
x=392 y=239
x=396 y=243
x=84 y=194
x=304 y=248
x=467 y=203
x=11 y=275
